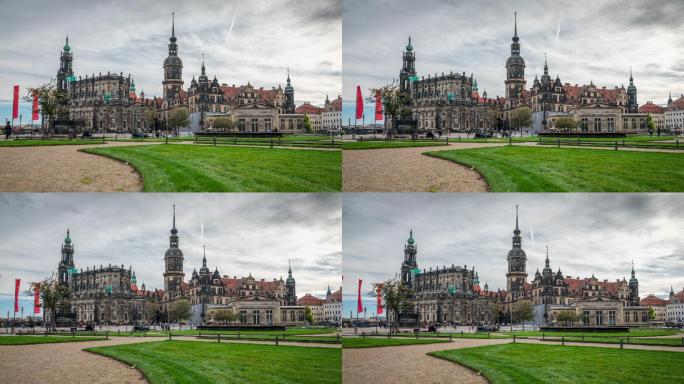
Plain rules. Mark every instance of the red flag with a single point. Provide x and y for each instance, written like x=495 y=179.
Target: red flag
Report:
x=379 y=299
x=17 y=283
x=359 y=103
x=378 y=105
x=359 y=307
x=34 y=116
x=36 y=301
x=15 y=103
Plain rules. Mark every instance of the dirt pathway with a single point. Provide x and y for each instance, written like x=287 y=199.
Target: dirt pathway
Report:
x=408 y=170
x=62 y=168
x=409 y=364
x=66 y=362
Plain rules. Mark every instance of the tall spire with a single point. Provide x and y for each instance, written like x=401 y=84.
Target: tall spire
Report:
x=546 y=66
x=547 y=257
x=204 y=257
x=173 y=24
x=203 y=68
x=289 y=268
x=632 y=268
x=515 y=17
x=516 y=217
x=631 y=79
x=288 y=75
x=174 y=216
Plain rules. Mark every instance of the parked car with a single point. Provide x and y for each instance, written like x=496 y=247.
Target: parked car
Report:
x=141 y=328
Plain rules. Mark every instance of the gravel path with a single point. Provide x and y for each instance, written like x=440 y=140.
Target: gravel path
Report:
x=409 y=364
x=66 y=362
x=62 y=168
x=408 y=170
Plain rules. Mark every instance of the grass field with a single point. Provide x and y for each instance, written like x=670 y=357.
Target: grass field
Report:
x=648 y=332
x=44 y=143
x=190 y=168
x=23 y=340
x=532 y=169
x=198 y=362
x=372 y=342
x=670 y=342
x=376 y=144
x=527 y=363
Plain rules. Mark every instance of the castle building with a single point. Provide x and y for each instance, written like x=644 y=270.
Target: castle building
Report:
x=327 y=311
x=446 y=295
x=439 y=103
x=331 y=116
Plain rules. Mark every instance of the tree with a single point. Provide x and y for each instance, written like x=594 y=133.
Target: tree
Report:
x=495 y=311
x=223 y=124
x=565 y=317
x=650 y=124
x=149 y=116
x=523 y=311
x=307 y=124
x=309 y=315
x=522 y=118
x=51 y=101
x=394 y=102
x=651 y=313
x=394 y=296
x=179 y=311
x=224 y=315
x=52 y=294
x=565 y=124
x=178 y=117
x=492 y=118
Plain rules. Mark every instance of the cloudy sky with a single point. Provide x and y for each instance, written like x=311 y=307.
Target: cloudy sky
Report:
x=585 y=40
x=243 y=233
x=242 y=40
x=586 y=234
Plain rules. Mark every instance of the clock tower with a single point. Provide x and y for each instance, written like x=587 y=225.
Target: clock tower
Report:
x=173 y=264
x=173 y=67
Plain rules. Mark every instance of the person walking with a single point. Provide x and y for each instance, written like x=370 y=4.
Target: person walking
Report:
x=8 y=130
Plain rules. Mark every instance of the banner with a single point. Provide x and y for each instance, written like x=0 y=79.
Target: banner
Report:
x=380 y=299
x=378 y=105
x=17 y=284
x=15 y=103
x=359 y=103
x=359 y=306
x=34 y=115
x=36 y=301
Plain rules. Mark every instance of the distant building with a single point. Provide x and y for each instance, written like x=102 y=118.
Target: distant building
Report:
x=326 y=311
x=659 y=306
x=331 y=116
x=314 y=114
x=674 y=310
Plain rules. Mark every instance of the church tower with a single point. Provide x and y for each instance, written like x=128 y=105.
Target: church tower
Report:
x=65 y=67
x=410 y=251
x=173 y=67
x=517 y=259
x=515 y=69
x=289 y=95
x=408 y=68
x=67 y=261
x=632 y=105
x=633 y=289
x=290 y=286
x=173 y=263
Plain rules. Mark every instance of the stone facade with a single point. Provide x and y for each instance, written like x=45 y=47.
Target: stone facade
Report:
x=446 y=295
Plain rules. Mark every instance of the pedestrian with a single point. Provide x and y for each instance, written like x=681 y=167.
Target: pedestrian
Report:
x=8 y=130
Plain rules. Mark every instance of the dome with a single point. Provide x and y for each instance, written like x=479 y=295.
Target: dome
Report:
x=515 y=60
x=173 y=252
x=516 y=252
x=173 y=60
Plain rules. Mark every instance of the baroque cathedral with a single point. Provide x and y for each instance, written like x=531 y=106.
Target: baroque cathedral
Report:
x=452 y=295
x=452 y=102
x=110 y=295
x=109 y=102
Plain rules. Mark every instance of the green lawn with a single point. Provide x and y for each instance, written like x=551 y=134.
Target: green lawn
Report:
x=43 y=143
x=458 y=335
x=191 y=168
x=376 y=144
x=202 y=362
x=671 y=342
x=636 y=332
x=527 y=363
x=533 y=169
x=372 y=342
x=22 y=340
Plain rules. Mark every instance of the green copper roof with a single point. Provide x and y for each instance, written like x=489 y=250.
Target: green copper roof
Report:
x=67 y=239
x=410 y=239
x=409 y=47
x=67 y=48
